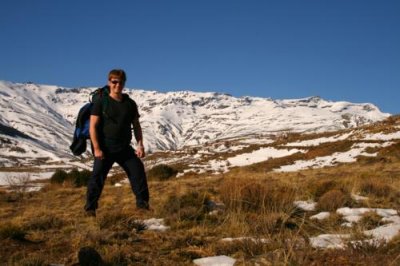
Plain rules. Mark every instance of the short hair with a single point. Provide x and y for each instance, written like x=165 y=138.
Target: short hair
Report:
x=117 y=73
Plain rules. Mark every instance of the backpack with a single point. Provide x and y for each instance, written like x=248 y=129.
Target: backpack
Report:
x=81 y=132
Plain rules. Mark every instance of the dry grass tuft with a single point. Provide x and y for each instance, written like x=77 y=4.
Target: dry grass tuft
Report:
x=328 y=148
x=259 y=196
x=391 y=153
x=332 y=224
x=28 y=260
x=245 y=248
x=112 y=219
x=12 y=231
x=118 y=177
x=274 y=222
x=122 y=255
x=375 y=187
x=188 y=207
x=320 y=187
x=370 y=220
x=161 y=172
x=44 y=221
x=333 y=199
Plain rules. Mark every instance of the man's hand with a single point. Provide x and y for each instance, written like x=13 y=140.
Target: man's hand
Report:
x=98 y=154
x=140 y=151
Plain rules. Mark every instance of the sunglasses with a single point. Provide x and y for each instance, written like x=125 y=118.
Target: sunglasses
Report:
x=116 y=81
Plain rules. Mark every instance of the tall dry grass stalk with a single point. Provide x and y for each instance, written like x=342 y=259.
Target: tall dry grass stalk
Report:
x=261 y=196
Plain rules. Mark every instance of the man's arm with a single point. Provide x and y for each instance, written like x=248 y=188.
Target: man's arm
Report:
x=137 y=130
x=94 y=122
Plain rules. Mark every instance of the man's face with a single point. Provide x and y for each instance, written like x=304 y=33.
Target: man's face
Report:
x=116 y=85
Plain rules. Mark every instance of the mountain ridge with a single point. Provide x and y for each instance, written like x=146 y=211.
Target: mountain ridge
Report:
x=170 y=120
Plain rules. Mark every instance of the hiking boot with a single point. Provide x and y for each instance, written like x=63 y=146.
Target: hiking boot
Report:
x=143 y=206
x=90 y=213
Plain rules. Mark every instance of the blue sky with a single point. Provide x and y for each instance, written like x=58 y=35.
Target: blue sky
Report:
x=339 y=49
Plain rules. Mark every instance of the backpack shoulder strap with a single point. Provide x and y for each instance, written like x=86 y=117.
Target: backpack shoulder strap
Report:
x=106 y=99
x=103 y=94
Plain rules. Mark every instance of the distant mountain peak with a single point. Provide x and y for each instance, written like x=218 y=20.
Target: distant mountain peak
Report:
x=170 y=120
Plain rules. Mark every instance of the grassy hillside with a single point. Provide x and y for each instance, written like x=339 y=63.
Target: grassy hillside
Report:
x=252 y=205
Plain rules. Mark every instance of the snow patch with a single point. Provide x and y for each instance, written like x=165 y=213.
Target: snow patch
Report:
x=305 y=205
x=215 y=261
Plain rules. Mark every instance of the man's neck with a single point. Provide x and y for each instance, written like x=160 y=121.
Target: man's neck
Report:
x=116 y=96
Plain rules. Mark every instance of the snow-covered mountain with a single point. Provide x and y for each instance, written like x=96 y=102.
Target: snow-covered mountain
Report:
x=37 y=121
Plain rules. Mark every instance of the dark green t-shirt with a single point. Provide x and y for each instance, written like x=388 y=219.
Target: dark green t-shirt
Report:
x=115 y=131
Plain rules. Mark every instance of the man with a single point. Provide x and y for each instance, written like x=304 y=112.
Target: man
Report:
x=110 y=133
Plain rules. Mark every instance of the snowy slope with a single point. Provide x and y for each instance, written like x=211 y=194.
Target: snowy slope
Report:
x=36 y=121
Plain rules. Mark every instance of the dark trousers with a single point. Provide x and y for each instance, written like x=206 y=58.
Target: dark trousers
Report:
x=132 y=166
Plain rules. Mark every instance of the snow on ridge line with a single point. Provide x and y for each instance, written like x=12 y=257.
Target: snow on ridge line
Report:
x=174 y=119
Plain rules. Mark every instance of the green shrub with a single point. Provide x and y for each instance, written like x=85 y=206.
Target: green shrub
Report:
x=81 y=178
x=162 y=172
x=73 y=174
x=59 y=177
x=75 y=177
